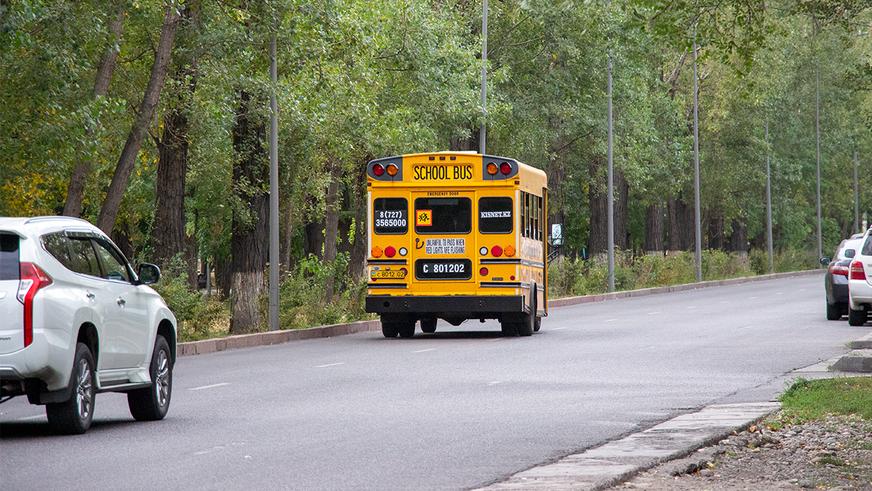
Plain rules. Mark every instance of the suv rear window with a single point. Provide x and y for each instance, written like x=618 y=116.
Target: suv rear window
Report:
x=9 y=268
x=443 y=215
x=75 y=253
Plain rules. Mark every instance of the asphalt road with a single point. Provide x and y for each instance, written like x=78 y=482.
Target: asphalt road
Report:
x=457 y=409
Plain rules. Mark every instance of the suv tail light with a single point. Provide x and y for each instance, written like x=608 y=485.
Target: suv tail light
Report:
x=33 y=279
x=857 y=272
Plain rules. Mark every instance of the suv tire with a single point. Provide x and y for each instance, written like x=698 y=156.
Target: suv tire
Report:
x=834 y=311
x=152 y=403
x=74 y=416
x=857 y=317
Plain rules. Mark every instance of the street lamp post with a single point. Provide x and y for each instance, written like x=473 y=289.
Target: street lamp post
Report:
x=817 y=130
x=611 y=179
x=696 y=206
x=273 y=193
x=482 y=134
x=769 y=205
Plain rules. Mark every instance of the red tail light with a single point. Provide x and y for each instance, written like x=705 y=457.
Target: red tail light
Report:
x=378 y=170
x=483 y=271
x=839 y=269
x=390 y=251
x=857 y=272
x=506 y=168
x=33 y=279
x=496 y=251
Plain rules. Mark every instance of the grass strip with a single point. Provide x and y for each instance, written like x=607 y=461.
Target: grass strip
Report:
x=813 y=399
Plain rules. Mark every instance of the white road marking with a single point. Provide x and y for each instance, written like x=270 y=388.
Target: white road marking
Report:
x=495 y=382
x=690 y=307
x=779 y=293
x=557 y=328
x=330 y=365
x=752 y=297
x=747 y=327
x=424 y=350
x=610 y=320
x=654 y=313
x=28 y=418
x=497 y=339
x=202 y=387
x=724 y=301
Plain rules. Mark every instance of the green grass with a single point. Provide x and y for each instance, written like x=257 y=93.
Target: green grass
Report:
x=813 y=399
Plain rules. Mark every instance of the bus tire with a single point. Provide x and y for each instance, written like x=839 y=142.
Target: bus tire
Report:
x=509 y=328
x=407 y=329
x=537 y=324
x=389 y=329
x=428 y=325
x=528 y=320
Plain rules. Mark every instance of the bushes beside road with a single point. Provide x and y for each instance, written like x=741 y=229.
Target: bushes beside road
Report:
x=303 y=302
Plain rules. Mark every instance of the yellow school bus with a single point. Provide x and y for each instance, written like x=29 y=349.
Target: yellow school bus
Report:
x=456 y=236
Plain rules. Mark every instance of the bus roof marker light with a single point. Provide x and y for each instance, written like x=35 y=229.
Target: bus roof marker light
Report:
x=378 y=170
x=506 y=168
x=483 y=251
x=492 y=168
x=393 y=170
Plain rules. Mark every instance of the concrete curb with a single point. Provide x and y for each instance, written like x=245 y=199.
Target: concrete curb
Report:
x=618 y=461
x=566 y=301
x=273 y=337
x=863 y=343
x=858 y=360
x=278 y=337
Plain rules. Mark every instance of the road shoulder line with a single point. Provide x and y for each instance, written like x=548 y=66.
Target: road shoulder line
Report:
x=617 y=461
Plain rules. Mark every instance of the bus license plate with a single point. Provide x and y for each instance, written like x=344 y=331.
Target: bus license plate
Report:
x=446 y=246
x=446 y=269
x=388 y=274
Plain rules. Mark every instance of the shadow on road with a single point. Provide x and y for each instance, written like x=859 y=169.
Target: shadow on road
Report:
x=29 y=429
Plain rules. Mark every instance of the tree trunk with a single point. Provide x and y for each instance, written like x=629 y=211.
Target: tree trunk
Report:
x=681 y=233
x=76 y=189
x=357 y=267
x=654 y=228
x=127 y=160
x=169 y=233
x=621 y=212
x=346 y=218
x=716 y=232
x=331 y=225
x=739 y=238
x=248 y=243
x=597 y=242
x=288 y=238
x=314 y=239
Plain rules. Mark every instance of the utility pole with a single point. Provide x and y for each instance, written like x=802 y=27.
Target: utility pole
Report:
x=482 y=133
x=696 y=209
x=769 y=205
x=817 y=130
x=856 y=194
x=611 y=178
x=273 y=193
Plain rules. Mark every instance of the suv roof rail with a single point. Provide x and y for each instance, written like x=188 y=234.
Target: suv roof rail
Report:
x=58 y=217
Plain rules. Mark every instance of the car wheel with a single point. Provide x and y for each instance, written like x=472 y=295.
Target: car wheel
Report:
x=74 y=416
x=857 y=317
x=152 y=403
x=428 y=325
x=834 y=312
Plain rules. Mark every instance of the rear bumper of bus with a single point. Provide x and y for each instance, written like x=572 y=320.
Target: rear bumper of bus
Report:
x=452 y=305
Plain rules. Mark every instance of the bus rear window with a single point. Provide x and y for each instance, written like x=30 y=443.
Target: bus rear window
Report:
x=9 y=268
x=443 y=215
x=495 y=215
x=390 y=215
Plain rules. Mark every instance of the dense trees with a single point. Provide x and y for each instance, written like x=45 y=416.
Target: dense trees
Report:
x=150 y=119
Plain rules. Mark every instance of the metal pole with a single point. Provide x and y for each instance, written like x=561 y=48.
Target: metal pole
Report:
x=817 y=129
x=611 y=182
x=273 y=193
x=482 y=133
x=696 y=210
x=769 y=206
x=856 y=194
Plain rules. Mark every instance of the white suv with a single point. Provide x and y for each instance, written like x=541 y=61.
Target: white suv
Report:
x=76 y=320
x=860 y=283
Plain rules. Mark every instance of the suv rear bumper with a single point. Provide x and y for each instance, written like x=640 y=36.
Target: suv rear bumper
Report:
x=44 y=360
x=452 y=306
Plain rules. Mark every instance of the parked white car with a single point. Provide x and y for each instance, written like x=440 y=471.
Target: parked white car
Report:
x=860 y=283
x=75 y=320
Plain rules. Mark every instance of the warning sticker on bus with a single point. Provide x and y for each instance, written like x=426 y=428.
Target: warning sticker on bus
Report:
x=445 y=246
x=423 y=218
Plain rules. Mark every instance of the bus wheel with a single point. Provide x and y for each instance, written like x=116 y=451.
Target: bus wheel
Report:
x=537 y=324
x=528 y=321
x=509 y=328
x=428 y=325
x=389 y=329
x=407 y=329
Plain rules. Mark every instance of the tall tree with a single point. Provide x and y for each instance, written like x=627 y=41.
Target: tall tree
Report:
x=127 y=160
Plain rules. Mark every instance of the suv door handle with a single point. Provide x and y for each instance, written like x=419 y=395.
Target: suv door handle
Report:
x=120 y=302
x=90 y=295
